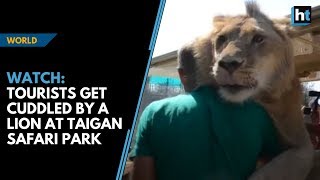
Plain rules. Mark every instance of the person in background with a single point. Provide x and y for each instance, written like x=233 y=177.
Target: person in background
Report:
x=198 y=135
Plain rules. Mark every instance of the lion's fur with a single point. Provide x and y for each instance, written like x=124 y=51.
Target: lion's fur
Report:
x=271 y=71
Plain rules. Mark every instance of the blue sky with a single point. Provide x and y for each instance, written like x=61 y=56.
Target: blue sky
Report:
x=183 y=20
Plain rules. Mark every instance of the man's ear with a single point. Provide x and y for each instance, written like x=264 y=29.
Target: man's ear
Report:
x=184 y=80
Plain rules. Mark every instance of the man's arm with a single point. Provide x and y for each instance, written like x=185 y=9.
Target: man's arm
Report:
x=143 y=164
x=143 y=168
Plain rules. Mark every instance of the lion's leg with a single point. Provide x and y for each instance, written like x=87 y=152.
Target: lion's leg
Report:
x=296 y=162
x=315 y=172
x=293 y=164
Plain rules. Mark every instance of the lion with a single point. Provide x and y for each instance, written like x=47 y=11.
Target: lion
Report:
x=251 y=57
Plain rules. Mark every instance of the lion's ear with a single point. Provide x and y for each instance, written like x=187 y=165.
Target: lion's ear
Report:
x=284 y=26
x=220 y=21
x=253 y=10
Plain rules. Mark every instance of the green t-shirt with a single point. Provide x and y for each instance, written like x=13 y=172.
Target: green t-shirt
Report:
x=200 y=136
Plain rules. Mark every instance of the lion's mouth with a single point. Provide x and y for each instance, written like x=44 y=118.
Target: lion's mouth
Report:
x=235 y=88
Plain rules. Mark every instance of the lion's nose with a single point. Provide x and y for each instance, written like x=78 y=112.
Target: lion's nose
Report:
x=230 y=66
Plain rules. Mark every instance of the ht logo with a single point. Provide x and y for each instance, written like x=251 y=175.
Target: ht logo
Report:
x=300 y=15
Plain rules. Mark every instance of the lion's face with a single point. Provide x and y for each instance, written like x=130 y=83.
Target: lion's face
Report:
x=250 y=53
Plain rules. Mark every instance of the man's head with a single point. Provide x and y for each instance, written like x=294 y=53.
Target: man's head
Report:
x=250 y=53
x=186 y=68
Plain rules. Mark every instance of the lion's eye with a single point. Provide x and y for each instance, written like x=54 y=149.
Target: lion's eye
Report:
x=221 y=39
x=258 y=39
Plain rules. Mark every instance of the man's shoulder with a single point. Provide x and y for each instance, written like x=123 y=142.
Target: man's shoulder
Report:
x=172 y=103
x=181 y=104
x=183 y=100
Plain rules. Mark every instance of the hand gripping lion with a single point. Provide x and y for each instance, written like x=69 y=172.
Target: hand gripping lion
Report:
x=251 y=56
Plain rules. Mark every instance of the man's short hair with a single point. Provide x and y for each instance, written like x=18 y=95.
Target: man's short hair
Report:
x=186 y=62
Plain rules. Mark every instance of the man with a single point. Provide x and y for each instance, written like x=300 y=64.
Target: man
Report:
x=201 y=136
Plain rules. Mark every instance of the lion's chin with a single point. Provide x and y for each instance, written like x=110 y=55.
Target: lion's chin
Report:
x=236 y=94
